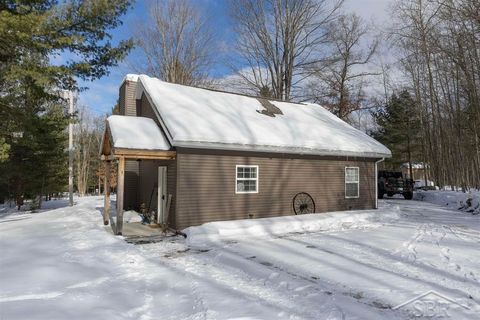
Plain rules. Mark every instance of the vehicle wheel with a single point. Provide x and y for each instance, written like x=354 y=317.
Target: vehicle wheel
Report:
x=390 y=194
x=408 y=195
x=303 y=203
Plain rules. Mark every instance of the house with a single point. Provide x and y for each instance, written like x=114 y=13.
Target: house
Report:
x=419 y=170
x=212 y=155
x=420 y=174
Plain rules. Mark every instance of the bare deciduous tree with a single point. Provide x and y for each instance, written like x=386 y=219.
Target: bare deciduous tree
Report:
x=438 y=42
x=279 y=39
x=87 y=140
x=340 y=81
x=84 y=144
x=177 y=43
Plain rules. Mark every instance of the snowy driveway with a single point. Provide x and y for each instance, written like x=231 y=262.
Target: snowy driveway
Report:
x=62 y=264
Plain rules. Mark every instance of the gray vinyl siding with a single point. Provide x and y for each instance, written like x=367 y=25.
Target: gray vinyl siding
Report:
x=121 y=99
x=127 y=103
x=206 y=186
x=127 y=106
x=130 y=200
x=141 y=176
x=146 y=110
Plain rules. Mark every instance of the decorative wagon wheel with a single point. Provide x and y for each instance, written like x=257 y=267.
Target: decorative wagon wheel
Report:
x=303 y=203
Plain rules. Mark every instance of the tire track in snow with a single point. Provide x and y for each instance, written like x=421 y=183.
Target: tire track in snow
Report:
x=414 y=270
x=463 y=234
x=238 y=280
x=280 y=279
x=201 y=310
x=265 y=284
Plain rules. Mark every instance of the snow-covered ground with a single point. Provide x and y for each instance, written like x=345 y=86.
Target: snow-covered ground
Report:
x=465 y=201
x=63 y=264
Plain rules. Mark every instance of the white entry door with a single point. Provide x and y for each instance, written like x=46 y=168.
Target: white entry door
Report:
x=162 y=194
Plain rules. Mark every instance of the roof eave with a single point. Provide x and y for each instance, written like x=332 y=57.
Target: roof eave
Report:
x=278 y=149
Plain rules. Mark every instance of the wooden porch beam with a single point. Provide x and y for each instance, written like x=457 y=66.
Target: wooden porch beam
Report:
x=133 y=153
x=139 y=154
x=145 y=157
x=136 y=157
x=106 y=191
x=120 y=193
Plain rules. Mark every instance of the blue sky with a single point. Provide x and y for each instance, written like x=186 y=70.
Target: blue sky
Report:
x=103 y=93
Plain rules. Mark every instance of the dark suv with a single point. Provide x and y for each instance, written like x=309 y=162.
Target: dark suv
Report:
x=392 y=182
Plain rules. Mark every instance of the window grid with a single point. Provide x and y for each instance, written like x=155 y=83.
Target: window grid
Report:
x=246 y=179
x=352 y=182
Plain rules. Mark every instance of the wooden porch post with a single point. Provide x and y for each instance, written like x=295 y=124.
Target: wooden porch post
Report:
x=120 y=188
x=106 y=191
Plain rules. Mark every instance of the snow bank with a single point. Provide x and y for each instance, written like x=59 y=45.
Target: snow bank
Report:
x=196 y=117
x=421 y=183
x=136 y=133
x=131 y=216
x=208 y=233
x=468 y=202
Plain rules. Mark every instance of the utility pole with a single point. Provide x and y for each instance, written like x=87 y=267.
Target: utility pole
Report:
x=70 y=150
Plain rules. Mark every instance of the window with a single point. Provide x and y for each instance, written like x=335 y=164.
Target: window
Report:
x=246 y=179
x=352 y=182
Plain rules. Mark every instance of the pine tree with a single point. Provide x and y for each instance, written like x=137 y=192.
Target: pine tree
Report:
x=32 y=130
x=399 y=129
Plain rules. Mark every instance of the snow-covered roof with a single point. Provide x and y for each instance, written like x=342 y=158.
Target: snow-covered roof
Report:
x=200 y=118
x=136 y=133
x=130 y=77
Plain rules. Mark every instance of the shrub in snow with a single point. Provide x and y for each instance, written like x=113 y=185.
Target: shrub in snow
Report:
x=35 y=203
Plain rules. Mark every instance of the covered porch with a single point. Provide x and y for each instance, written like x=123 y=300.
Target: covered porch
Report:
x=139 y=233
x=133 y=138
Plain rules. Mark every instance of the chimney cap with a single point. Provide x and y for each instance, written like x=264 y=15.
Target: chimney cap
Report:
x=130 y=77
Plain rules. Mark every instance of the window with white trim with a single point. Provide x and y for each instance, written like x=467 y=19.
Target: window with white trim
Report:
x=246 y=179
x=352 y=182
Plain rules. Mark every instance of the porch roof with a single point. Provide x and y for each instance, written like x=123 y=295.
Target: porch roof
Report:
x=134 y=137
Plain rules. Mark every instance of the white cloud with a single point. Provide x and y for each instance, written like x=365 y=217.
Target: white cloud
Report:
x=370 y=10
